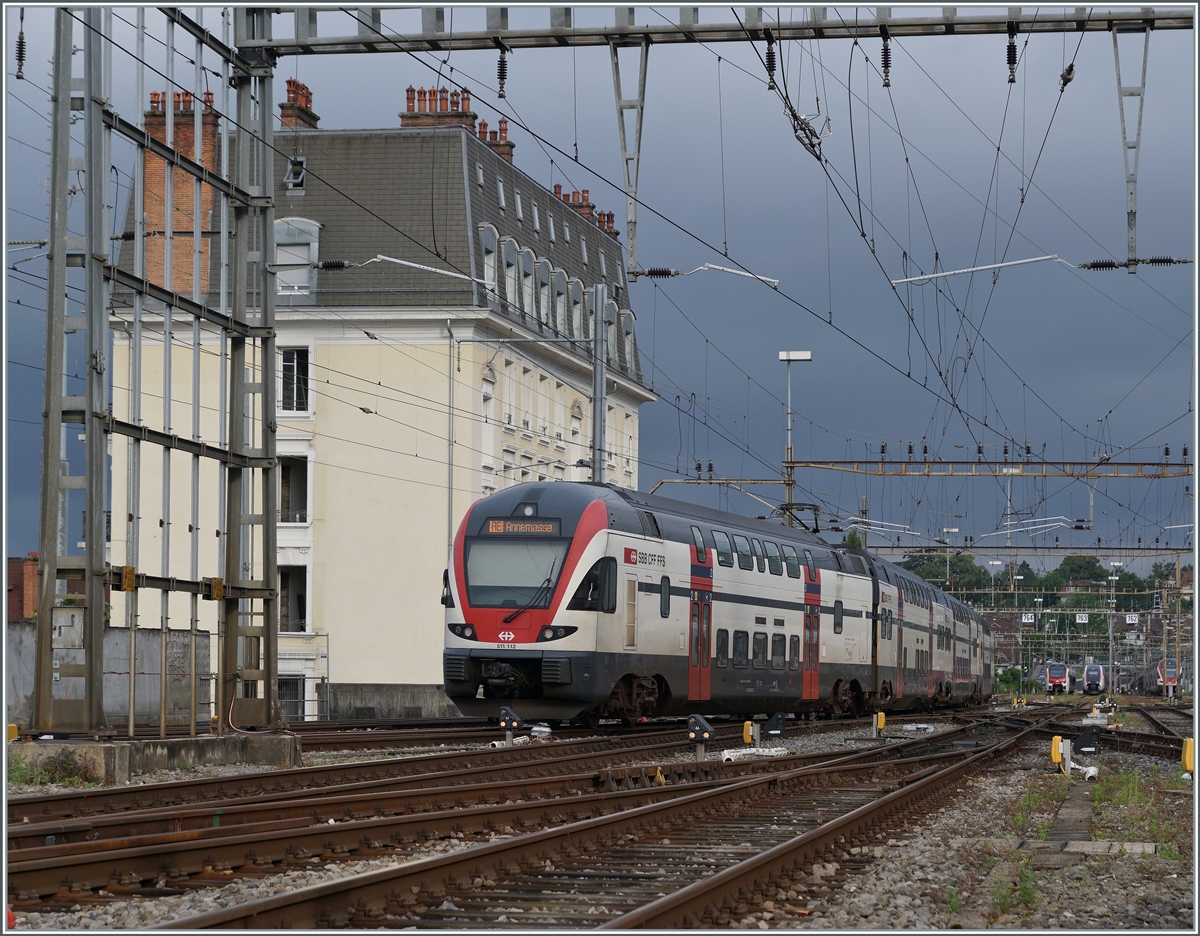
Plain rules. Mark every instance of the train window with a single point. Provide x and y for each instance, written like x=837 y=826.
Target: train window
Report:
x=774 y=563
x=745 y=558
x=760 y=622
x=760 y=651
x=724 y=550
x=664 y=598
x=705 y=629
x=837 y=617
x=778 y=651
x=722 y=647
x=759 y=555
x=791 y=560
x=794 y=652
x=695 y=641
x=812 y=566
x=906 y=657
x=741 y=648
x=701 y=551
x=598 y=589
x=779 y=622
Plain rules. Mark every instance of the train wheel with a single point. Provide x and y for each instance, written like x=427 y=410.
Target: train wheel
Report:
x=589 y=720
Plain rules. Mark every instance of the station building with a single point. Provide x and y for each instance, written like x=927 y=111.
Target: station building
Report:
x=405 y=390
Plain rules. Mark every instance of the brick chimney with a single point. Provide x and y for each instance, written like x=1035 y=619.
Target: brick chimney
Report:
x=498 y=139
x=297 y=110
x=581 y=202
x=183 y=191
x=438 y=107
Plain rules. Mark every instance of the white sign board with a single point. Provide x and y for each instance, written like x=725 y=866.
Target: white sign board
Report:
x=1026 y=618
x=1131 y=619
x=1081 y=619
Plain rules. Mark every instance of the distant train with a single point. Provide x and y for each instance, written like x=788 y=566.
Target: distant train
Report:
x=1093 y=679
x=1058 y=678
x=581 y=601
x=1150 y=680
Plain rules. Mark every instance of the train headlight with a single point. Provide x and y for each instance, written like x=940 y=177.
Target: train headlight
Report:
x=555 y=633
x=468 y=631
x=547 y=633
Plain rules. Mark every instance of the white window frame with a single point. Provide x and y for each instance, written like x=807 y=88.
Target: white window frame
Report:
x=500 y=192
x=583 y=248
x=517 y=201
x=545 y=278
x=479 y=173
x=510 y=257
x=528 y=265
x=292 y=235
x=537 y=224
x=550 y=224
x=489 y=239
x=309 y=409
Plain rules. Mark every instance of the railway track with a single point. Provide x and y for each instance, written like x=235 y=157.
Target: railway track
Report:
x=156 y=851
x=688 y=859
x=1169 y=720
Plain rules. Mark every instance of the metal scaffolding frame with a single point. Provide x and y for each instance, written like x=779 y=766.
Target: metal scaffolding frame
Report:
x=243 y=582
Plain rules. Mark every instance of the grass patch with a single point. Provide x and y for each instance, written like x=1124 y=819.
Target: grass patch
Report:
x=953 y=901
x=1001 y=897
x=1027 y=887
x=63 y=770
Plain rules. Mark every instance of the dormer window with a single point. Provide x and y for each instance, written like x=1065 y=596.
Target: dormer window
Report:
x=293 y=179
x=296 y=252
x=550 y=223
x=500 y=193
x=583 y=248
x=520 y=213
x=603 y=272
x=537 y=227
x=567 y=231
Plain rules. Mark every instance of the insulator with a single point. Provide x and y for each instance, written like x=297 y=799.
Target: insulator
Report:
x=1006 y=451
x=770 y=66
x=1101 y=265
x=1159 y=261
x=1012 y=60
x=657 y=272
x=925 y=451
x=1166 y=453
x=501 y=73
x=21 y=48
x=697 y=469
x=910 y=448
x=333 y=264
x=710 y=468
x=1185 y=452
x=1028 y=451
x=885 y=58
x=979 y=451
x=883 y=450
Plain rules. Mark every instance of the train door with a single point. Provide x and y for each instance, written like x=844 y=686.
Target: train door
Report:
x=700 y=651
x=631 y=595
x=810 y=674
x=700 y=620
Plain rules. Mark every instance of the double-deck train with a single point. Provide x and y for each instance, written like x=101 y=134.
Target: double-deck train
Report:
x=583 y=601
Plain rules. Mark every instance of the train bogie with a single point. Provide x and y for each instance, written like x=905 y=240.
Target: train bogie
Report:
x=570 y=600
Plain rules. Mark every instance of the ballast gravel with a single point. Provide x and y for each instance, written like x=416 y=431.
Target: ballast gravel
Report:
x=951 y=868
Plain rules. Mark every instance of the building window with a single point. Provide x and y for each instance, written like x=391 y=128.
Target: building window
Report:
x=577 y=323
x=512 y=285
x=479 y=173
x=294 y=398
x=603 y=272
x=528 y=296
x=560 y=303
x=583 y=248
x=296 y=250
x=293 y=179
x=293 y=490
x=520 y=212
x=550 y=224
x=293 y=617
x=500 y=193
x=489 y=241
x=567 y=231
x=545 y=302
x=537 y=223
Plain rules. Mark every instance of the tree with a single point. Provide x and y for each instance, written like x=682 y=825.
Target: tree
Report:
x=853 y=540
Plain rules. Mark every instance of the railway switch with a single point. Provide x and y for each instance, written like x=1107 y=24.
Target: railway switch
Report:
x=776 y=726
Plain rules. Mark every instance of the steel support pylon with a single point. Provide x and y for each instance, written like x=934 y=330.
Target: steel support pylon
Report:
x=630 y=156
x=1130 y=150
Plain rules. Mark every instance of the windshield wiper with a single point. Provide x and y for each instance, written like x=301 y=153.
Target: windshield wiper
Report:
x=537 y=595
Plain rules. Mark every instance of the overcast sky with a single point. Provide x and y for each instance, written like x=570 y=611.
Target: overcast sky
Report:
x=1079 y=364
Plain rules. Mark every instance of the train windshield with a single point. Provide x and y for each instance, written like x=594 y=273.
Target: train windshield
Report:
x=513 y=572
x=1057 y=671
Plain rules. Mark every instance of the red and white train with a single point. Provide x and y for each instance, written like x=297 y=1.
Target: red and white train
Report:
x=572 y=600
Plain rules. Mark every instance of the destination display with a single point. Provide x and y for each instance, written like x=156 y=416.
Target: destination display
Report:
x=529 y=526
